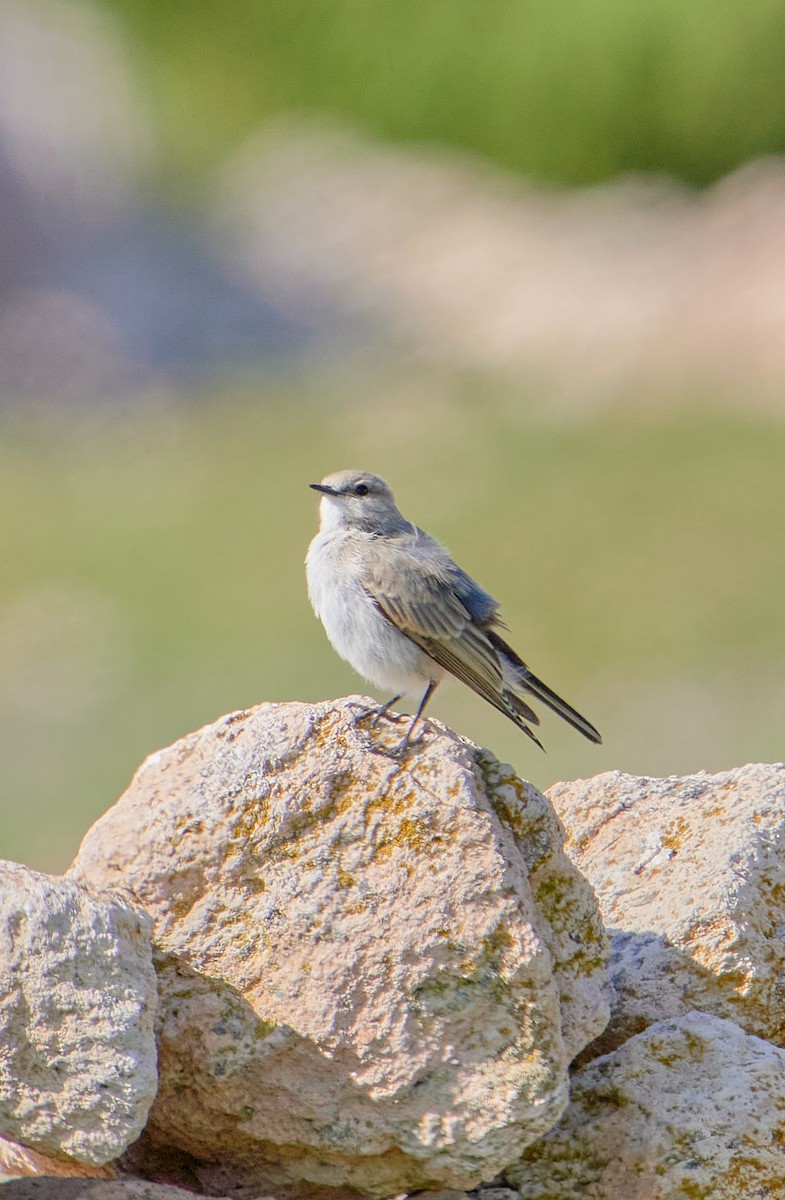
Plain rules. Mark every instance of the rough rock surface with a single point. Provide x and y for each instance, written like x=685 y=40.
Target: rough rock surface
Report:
x=20 y=1160
x=690 y=875
x=694 y=1109
x=91 y=1189
x=77 y=1005
x=373 y=973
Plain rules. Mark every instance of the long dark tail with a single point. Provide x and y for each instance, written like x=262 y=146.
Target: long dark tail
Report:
x=528 y=682
x=541 y=690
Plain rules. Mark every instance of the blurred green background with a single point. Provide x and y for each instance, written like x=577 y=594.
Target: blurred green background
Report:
x=152 y=535
x=566 y=93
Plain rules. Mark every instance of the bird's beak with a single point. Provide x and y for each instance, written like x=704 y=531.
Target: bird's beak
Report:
x=322 y=487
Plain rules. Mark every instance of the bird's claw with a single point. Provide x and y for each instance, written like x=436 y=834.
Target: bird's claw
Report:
x=375 y=714
x=398 y=751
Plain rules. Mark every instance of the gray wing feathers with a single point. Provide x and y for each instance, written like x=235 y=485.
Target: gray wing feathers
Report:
x=483 y=608
x=424 y=603
x=418 y=602
x=440 y=608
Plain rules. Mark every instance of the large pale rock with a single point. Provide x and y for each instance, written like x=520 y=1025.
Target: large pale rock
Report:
x=690 y=875
x=373 y=973
x=692 y=1109
x=77 y=1005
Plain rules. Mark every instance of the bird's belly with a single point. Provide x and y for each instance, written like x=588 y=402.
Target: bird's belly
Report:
x=366 y=639
x=374 y=647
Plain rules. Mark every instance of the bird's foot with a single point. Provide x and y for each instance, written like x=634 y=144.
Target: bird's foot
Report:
x=374 y=713
x=399 y=750
x=364 y=712
x=407 y=742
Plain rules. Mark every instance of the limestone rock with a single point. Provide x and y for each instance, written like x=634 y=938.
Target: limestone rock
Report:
x=693 y=1107
x=690 y=875
x=77 y=1005
x=373 y=973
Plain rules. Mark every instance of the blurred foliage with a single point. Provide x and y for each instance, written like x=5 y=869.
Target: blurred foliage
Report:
x=153 y=577
x=568 y=93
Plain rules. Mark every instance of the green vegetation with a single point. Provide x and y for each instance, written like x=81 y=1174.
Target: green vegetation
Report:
x=568 y=93
x=152 y=579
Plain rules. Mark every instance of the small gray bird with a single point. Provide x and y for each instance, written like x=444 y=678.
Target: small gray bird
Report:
x=403 y=614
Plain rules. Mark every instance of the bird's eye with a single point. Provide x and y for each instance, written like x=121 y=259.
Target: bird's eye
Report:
x=362 y=489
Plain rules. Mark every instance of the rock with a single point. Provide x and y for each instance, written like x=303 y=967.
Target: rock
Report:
x=483 y=1193
x=690 y=875
x=692 y=1108
x=90 y=1189
x=445 y=1194
x=373 y=973
x=77 y=1004
x=19 y=1160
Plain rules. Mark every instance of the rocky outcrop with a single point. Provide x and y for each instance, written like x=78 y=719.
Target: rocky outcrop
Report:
x=77 y=1003
x=690 y=876
x=373 y=973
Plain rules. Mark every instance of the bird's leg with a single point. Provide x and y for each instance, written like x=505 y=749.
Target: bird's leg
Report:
x=399 y=749
x=375 y=713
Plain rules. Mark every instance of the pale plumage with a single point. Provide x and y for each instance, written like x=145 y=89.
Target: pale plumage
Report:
x=403 y=614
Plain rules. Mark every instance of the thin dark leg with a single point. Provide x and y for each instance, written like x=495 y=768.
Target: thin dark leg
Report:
x=431 y=688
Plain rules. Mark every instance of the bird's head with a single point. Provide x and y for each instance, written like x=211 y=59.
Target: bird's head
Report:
x=358 y=500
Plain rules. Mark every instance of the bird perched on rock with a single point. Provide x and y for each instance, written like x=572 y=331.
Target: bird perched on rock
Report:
x=404 y=615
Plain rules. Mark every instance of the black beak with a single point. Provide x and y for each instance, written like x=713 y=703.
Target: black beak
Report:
x=322 y=487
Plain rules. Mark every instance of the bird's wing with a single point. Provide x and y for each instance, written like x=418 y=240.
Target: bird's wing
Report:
x=427 y=602
x=422 y=602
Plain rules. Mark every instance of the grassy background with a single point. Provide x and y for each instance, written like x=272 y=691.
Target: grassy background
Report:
x=153 y=579
x=567 y=93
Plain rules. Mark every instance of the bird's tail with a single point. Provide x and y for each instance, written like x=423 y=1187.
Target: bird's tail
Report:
x=541 y=690
x=519 y=712
x=521 y=678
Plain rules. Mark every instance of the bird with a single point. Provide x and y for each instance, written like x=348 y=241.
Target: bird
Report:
x=405 y=616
